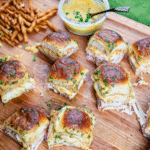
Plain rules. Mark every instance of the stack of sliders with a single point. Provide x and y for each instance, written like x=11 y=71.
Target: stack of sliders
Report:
x=17 y=20
x=113 y=88
x=14 y=79
x=71 y=126
x=139 y=56
x=27 y=126
x=57 y=45
x=66 y=77
x=106 y=46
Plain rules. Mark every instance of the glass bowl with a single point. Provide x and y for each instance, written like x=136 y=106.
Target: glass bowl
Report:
x=83 y=28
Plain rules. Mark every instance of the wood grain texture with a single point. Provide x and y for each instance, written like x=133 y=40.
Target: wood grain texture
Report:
x=113 y=130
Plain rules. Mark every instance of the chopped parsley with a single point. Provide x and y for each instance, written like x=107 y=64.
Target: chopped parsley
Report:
x=1 y=82
x=84 y=105
x=139 y=58
x=81 y=73
x=1 y=60
x=34 y=58
x=74 y=73
x=75 y=99
x=113 y=78
x=68 y=67
x=105 y=81
x=48 y=104
x=112 y=85
x=67 y=13
x=3 y=104
x=50 y=76
x=121 y=76
x=70 y=78
x=87 y=17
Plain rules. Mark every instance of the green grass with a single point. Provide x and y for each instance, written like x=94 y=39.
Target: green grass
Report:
x=139 y=9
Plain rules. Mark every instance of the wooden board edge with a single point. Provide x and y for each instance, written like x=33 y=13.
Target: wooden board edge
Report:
x=129 y=23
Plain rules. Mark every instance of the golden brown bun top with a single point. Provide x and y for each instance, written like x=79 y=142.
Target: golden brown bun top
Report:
x=60 y=37
x=26 y=119
x=77 y=119
x=65 y=68
x=108 y=36
x=11 y=71
x=111 y=74
x=142 y=47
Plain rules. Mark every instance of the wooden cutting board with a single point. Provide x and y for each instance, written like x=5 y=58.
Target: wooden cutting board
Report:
x=113 y=130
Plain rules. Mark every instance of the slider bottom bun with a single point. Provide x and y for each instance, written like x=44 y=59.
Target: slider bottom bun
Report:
x=10 y=94
x=34 y=146
x=118 y=104
x=64 y=90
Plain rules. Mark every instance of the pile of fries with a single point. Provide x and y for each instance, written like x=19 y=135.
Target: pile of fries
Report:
x=17 y=20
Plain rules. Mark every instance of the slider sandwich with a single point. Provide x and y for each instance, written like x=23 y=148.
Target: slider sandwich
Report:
x=113 y=88
x=139 y=56
x=14 y=80
x=57 y=45
x=66 y=77
x=28 y=127
x=106 y=46
x=71 y=126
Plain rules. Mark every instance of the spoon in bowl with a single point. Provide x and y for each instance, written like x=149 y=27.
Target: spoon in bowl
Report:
x=117 y=9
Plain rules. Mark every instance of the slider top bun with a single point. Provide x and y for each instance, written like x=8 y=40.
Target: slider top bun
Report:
x=73 y=118
x=58 y=39
x=74 y=121
x=141 y=50
x=109 y=39
x=110 y=75
x=11 y=71
x=26 y=122
x=67 y=71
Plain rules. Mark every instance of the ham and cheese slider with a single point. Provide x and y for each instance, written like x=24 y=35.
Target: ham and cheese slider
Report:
x=71 y=126
x=14 y=80
x=66 y=77
x=105 y=46
x=139 y=56
x=113 y=88
x=28 y=127
x=57 y=45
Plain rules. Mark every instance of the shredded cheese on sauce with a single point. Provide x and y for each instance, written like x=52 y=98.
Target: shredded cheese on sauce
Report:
x=1 y=44
x=19 y=46
x=19 y=55
x=33 y=48
x=6 y=58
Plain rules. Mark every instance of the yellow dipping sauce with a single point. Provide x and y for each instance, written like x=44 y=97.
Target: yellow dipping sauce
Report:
x=78 y=10
x=75 y=14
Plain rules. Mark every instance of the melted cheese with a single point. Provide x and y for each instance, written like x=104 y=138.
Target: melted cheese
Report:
x=19 y=46
x=19 y=55
x=1 y=44
x=33 y=48
x=17 y=91
x=6 y=58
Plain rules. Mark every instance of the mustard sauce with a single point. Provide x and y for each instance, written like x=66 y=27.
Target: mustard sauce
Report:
x=78 y=10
